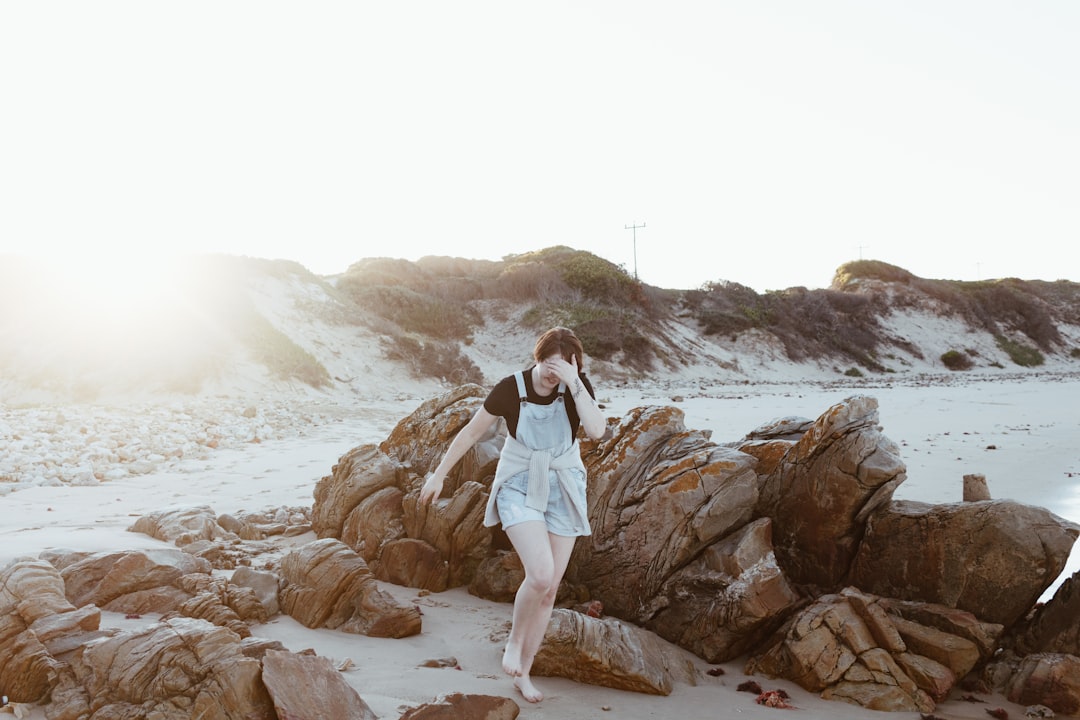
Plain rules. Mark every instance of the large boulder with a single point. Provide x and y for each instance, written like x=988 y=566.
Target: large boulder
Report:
x=32 y=592
x=855 y=647
x=1055 y=626
x=1050 y=679
x=607 y=652
x=369 y=502
x=172 y=670
x=992 y=558
x=822 y=491
x=122 y=581
x=660 y=498
x=309 y=686
x=327 y=585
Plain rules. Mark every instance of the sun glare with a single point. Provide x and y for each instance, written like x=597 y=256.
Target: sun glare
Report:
x=116 y=289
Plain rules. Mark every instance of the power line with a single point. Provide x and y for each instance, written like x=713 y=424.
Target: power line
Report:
x=634 y=227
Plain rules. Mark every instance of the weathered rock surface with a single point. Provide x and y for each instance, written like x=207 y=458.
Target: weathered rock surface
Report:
x=325 y=584
x=607 y=652
x=993 y=559
x=1050 y=679
x=1055 y=626
x=660 y=497
x=853 y=646
x=309 y=687
x=460 y=706
x=134 y=581
x=369 y=500
x=32 y=592
x=179 y=668
x=821 y=492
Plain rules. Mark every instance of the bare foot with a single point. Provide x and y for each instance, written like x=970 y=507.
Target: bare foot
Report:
x=511 y=661
x=527 y=689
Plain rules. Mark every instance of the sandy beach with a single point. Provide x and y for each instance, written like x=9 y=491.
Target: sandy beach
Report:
x=1018 y=431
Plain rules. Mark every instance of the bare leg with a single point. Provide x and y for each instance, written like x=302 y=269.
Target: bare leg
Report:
x=544 y=557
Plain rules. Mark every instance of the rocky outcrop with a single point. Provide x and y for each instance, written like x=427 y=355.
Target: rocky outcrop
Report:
x=992 y=558
x=665 y=505
x=857 y=647
x=172 y=670
x=309 y=686
x=824 y=488
x=461 y=706
x=327 y=585
x=369 y=500
x=1050 y=679
x=608 y=652
x=1055 y=626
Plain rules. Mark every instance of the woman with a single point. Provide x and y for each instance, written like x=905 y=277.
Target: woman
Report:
x=539 y=489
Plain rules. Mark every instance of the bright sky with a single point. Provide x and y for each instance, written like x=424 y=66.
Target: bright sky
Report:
x=760 y=141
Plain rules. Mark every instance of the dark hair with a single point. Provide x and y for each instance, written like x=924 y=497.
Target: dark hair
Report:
x=562 y=341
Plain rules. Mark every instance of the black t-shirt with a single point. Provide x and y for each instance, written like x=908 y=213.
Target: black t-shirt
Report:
x=503 y=401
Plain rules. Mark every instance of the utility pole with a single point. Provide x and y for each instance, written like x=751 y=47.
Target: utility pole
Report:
x=634 y=227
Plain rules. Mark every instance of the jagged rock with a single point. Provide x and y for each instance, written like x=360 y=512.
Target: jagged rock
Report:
x=822 y=491
x=985 y=636
x=420 y=440
x=359 y=473
x=309 y=687
x=729 y=599
x=498 y=577
x=105 y=579
x=607 y=652
x=375 y=521
x=325 y=584
x=1055 y=626
x=659 y=495
x=460 y=706
x=263 y=584
x=172 y=670
x=31 y=592
x=993 y=559
x=370 y=499
x=181 y=526
x=220 y=602
x=1050 y=679
x=954 y=652
x=850 y=646
x=455 y=528
x=413 y=563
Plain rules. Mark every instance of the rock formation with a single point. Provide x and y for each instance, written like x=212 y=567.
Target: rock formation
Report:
x=784 y=546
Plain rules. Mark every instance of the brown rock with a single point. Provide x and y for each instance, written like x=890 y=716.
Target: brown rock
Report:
x=309 y=687
x=325 y=584
x=172 y=670
x=821 y=493
x=181 y=526
x=993 y=559
x=658 y=496
x=956 y=653
x=498 y=577
x=1055 y=626
x=103 y=577
x=1050 y=679
x=459 y=706
x=728 y=600
x=606 y=652
x=359 y=473
x=975 y=489
x=413 y=563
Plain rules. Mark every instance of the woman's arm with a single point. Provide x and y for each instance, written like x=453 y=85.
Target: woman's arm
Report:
x=592 y=419
x=476 y=428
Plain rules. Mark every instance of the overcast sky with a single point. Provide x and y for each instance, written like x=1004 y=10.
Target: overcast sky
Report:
x=764 y=142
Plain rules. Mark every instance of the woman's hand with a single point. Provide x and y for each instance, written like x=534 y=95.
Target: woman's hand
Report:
x=432 y=488
x=567 y=372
